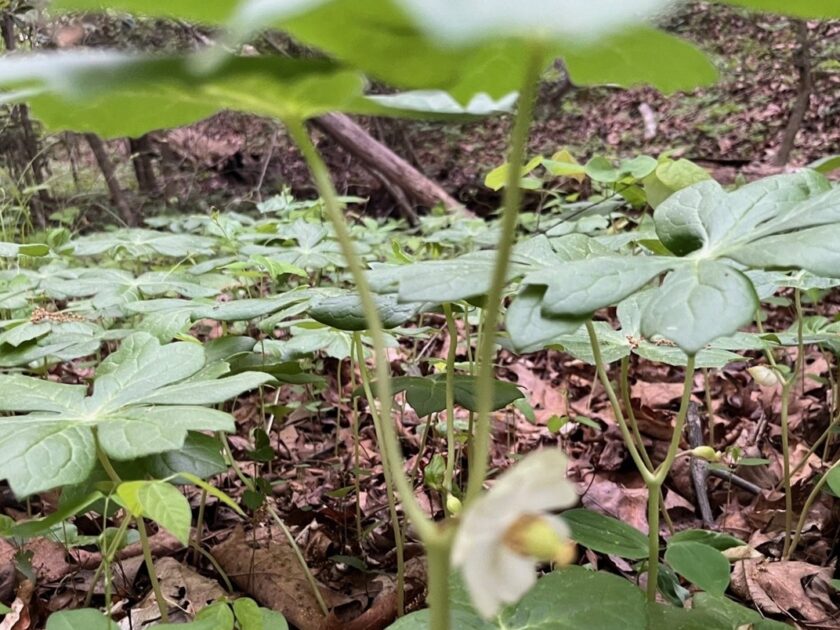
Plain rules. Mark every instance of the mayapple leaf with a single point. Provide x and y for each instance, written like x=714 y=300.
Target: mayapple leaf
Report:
x=467 y=21
x=700 y=564
x=440 y=281
x=117 y=94
x=677 y=219
x=11 y=250
x=625 y=59
x=814 y=249
x=698 y=303
x=345 y=312
x=137 y=242
x=54 y=445
x=475 y=47
x=528 y=327
x=216 y=616
x=580 y=287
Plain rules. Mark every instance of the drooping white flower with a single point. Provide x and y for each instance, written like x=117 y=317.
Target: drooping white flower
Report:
x=506 y=532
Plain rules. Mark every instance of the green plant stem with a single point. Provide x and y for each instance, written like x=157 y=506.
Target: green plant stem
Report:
x=809 y=502
x=437 y=558
x=673 y=447
x=786 y=465
x=655 y=487
x=357 y=451
x=799 y=367
x=108 y=555
x=386 y=469
x=624 y=384
x=653 y=542
x=391 y=446
x=710 y=414
x=199 y=521
x=629 y=441
x=150 y=567
x=450 y=399
x=141 y=529
x=487 y=343
x=825 y=434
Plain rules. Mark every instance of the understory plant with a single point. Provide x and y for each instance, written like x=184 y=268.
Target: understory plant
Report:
x=689 y=281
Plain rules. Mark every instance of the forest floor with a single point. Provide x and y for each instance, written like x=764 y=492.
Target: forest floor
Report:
x=732 y=128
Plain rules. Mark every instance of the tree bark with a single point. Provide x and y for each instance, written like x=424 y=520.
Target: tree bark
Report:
x=384 y=163
x=141 y=158
x=107 y=168
x=803 y=97
x=32 y=166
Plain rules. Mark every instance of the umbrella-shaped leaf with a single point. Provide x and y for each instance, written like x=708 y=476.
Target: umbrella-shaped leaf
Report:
x=54 y=445
x=699 y=303
x=345 y=311
x=116 y=94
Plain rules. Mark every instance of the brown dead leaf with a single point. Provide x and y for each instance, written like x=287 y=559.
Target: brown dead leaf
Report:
x=780 y=587
x=271 y=573
x=49 y=559
x=656 y=394
x=18 y=618
x=624 y=499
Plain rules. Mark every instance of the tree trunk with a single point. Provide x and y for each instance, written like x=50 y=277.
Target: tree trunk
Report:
x=107 y=168
x=32 y=166
x=141 y=158
x=803 y=97
x=384 y=163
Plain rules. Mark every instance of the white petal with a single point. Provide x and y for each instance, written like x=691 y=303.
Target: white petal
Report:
x=536 y=484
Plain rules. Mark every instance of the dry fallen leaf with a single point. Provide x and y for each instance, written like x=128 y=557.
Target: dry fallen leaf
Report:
x=18 y=618
x=272 y=575
x=777 y=587
x=185 y=591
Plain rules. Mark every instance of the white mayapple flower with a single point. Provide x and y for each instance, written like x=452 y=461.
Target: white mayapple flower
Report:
x=506 y=532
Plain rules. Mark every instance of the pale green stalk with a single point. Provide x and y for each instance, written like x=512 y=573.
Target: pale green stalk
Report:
x=487 y=344
x=786 y=465
x=653 y=478
x=386 y=469
x=450 y=399
x=809 y=502
x=390 y=446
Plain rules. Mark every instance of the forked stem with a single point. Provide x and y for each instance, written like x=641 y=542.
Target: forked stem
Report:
x=653 y=478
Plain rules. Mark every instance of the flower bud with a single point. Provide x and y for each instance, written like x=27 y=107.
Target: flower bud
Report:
x=540 y=537
x=765 y=376
x=707 y=453
x=453 y=504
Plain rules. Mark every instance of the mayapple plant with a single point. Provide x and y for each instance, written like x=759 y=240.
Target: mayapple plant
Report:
x=471 y=48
